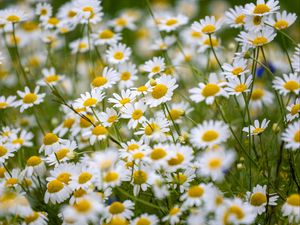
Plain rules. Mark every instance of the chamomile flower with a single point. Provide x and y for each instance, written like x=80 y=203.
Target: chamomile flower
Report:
x=237 y=86
x=208 y=25
x=291 y=208
x=282 y=20
x=209 y=133
x=182 y=179
x=65 y=126
x=114 y=177
x=89 y=11
x=181 y=157
x=50 y=77
x=106 y=37
x=6 y=151
x=261 y=8
x=258 y=127
x=194 y=196
x=171 y=23
x=141 y=179
x=134 y=151
x=163 y=44
x=109 y=117
x=50 y=143
x=235 y=17
x=95 y=133
x=260 y=97
x=13 y=15
x=237 y=68
x=255 y=23
x=122 y=209
x=43 y=10
x=259 y=198
x=51 y=22
x=127 y=73
x=208 y=92
x=135 y=113
x=106 y=79
x=29 y=98
x=256 y=39
x=288 y=84
x=159 y=155
x=6 y=102
x=178 y=111
x=89 y=99
x=162 y=91
x=118 y=53
x=13 y=179
x=154 y=66
x=81 y=45
x=64 y=153
x=145 y=219
x=294 y=110
x=174 y=215
x=36 y=218
x=208 y=43
x=35 y=165
x=291 y=136
x=122 y=100
x=122 y=22
x=85 y=178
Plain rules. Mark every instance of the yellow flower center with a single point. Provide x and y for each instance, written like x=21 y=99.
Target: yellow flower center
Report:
x=30 y=98
x=132 y=147
x=176 y=160
x=55 y=186
x=84 y=177
x=85 y=123
x=3 y=105
x=258 y=198
x=293 y=200
x=82 y=45
x=292 y=85
x=124 y=101
x=258 y=41
x=261 y=9
x=140 y=177
x=99 y=130
x=233 y=210
x=19 y=141
x=240 y=88
x=281 y=24
x=79 y=193
x=155 y=69
x=68 y=123
x=11 y=181
x=13 y=18
x=158 y=153
x=297 y=136
x=138 y=155
x=99 y=81
x=31 y=218
x=30 y=26
x=90 y=102
x=116 y=208
x=257 y=20
x=137 y=114
x=210 y=90
x=236 y=71
x=64 y=177
x=50 y=139
x=119 y=55
x=258 y=130
x=295 y=109
x=210 y=135
x=125 y=76
x=83 y=206
x=3 y=150
x=53 y=21
x=215 y=163
x=34 y=161
x=175 y=114
x=43 y=12
x=208 y=29
x=142 y=88
x=171 y=22
x=51 y=78
x=257 y=94
x=196 y=34
x=174 y=211
x=180 y=178
x=111 y=176
x=106 y=34
x=143 y=221
x=240 y=19
x=159 y=91
x=150 y=128
x=71 y=14
x=121 y=22
x=112 y=119
x=195 y=191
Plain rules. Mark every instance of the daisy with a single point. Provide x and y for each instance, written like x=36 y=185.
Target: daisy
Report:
x=106 y=37
x=235 y=17
x=214 y=200
x=35 y=165
x=154 y=66
x=171 y=23
x=85 y=178
x=134 y=112
x=209 y=133
x=261 y=8
x=63 y=172
x=291 y=208
x=191 y=36
x=282 y=20
x=22 y=139
x=208 y=25
x=6 y=102
x=294 y=110
x=109 y=117
x=50 y=143
x=159 y=155
x=13 y=15
x=161 y=91
x=89 y=99
x=114 y=176
x=36 y=218
x=13 y=179
x=208 y=92
x=134 y=151
x=182 y=179
x=215 y=163
x=237 y=86
x=181 y=157
x=51 y=22
x=81 y=45
x=164 y=43
x=258 y=198
x=258 y=128
x=288 y=84
x=6 y=151
x=65 y=126
x=104 y=160
x=122 y=100
x=108 y=77
x=122 y=209
x=127 y=73
x=209 y=42
x=50 y=77
x=194 y=196
x=178 y=111
x=260 y=97
x=145 y=219
x=96 y=133
x=237 y=68
x=43 y=10
x=122 y=22
x=255 y=23
x=89 y=11
x=174 y=215
x=256 y=39
x=29 y=98
x=141 y=179
x=118 y=53
x=291 y=136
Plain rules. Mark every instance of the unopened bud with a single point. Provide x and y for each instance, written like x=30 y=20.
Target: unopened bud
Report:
x=153 y=82
x=276 y=128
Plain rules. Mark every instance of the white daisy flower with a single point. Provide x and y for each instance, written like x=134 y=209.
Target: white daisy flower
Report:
x=163 y=43
x=154 y=66
x=291 y=208
x=174 y=215
x=235 y=17
x=282 y=20
x=194 y=196
x=43 y=10
x=89 y=99
x=13 y=15
x=237 y=68
x=261 y=8
x=114 y=176
x=108 y=77
x=208 y=25
x=122 y=22
x=291 y=136
x=109 y=117
x=182 y=179
x=141 y=179
x=256 y=39
x=57 y=192
x=50 y=22
x=50 y=143
x=122 y=209
x=50 y=77
x=122 y=100
x=35 y=165
x=118 y=53
x=288 y=84
x=6 y=151
x=127 y=73
x=96 y=133
x=89 y=11
x=81 y=45
x=106 y=36
x=36 y=218
x=258 y=127
x=294 y=110
x=135 y=113
x=85 y=178
x=171 y=23
x=145 y=219
x=255 y=23
x=6 y=102
x=260 y=97
x=236 y=86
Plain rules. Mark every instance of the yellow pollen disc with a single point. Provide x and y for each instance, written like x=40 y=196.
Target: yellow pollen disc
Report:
x=174 y=211
x=87 y=9
x=196 y=34
x=124 y=101
x=85 y=123
x=64 y=177
x=3 y=105
x=236 y=71
x=83 y=206
x=125 y=76
x=219 y=200
x=43 y=12
x=106 y=34
x=118 y=220
x=111 y=176
x=155 y=69
x=257 y=94
x=62 y=153
x=13 y=18
x=261 y=9
x=215 y=163
x=258 y=130
x=240 y=19
x=79 y=193
x=292 y=85
x=180 y=178
x=55 y=186
x=174 y=161
x=31 y=218
x=112 y=119
x=84 y=177
x=138 y=155
x=11 y=181
x=82 y=45
x=2 y=169
x=119 y=55
x=171 y=22
x=149 y=129
x=240 y=88
x=53 y=21
x=30 y=26
x=116 y=208
x=19 y=141
x=175 y=114
x=158 y=153
x=258 y=41
x=132 y=147
x=257 y=20
x=295 y=109
x=297 y=136
x=195 y=191
x=140 y=177
x=99 y=81
x=208 y=29
x=68 y=123
x=99 y=130
x=137 y=114
x=71 y=14
x=258 y=198
x=34 y=161
x=159 y=91
x=281 y=24
x=293 y=200
x=142 y=88
x=210 y=90
x=210 y=135
x=233 y=210
x=50 y=139
x=30 y=98
x=90 y=102
x=143 y=221
x=51 y=78
x=106 y=164
x=121 y=22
